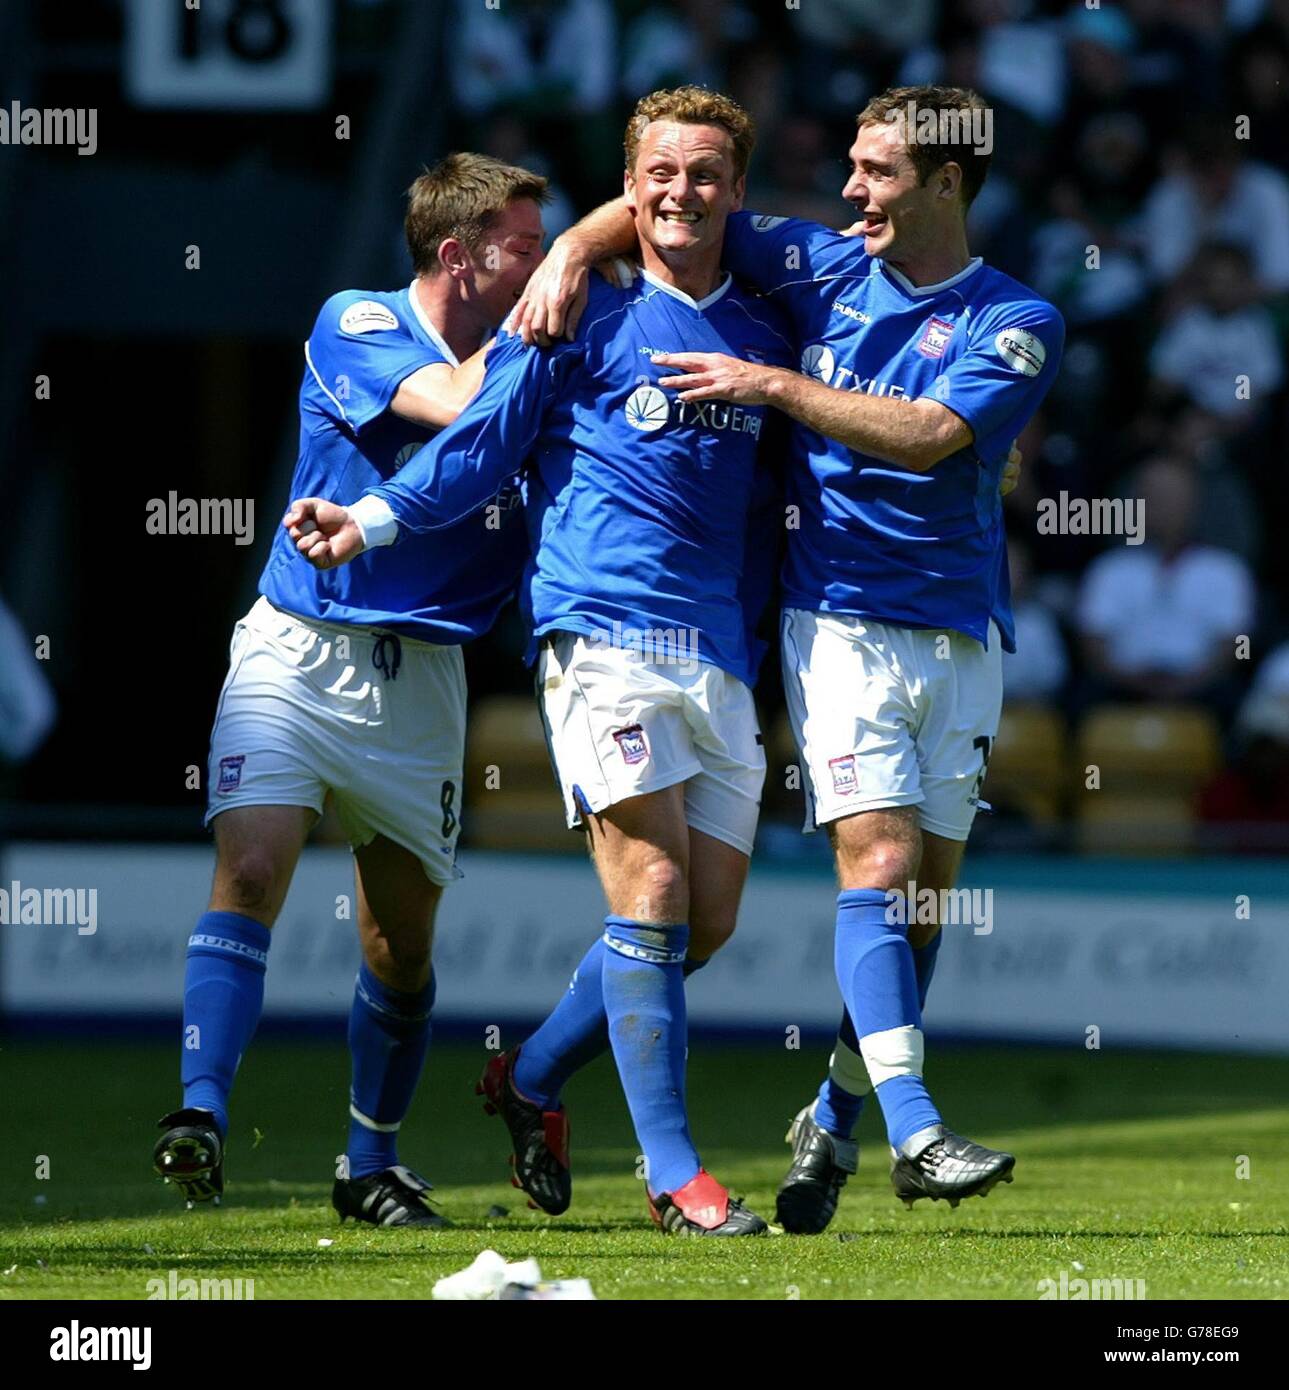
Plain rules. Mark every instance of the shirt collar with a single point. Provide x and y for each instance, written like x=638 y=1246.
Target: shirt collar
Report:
x=699 y=304
x=429 y=329
x=923 y=291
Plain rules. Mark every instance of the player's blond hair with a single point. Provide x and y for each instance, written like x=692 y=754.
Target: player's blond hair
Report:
x=462 y=197
x=927 y=156
x=693 y=106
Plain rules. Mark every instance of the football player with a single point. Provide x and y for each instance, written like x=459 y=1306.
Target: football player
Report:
x=638 y=509
x=352 y=683
x=919 y=364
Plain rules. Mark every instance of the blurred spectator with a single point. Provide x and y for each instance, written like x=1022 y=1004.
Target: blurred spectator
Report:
x=1273 y=674
x=1000 y=48
x=1251 y=796
x=1053 y=464
x=839 y=23
x=552 y=64
x=1260 y=83
x=1039 y=667
x=1223 y=335
x=1178 y=46
x=681 y=41
x=1099 y=49
x=802 y=177
x=27 y=708
x=1214 y=192
x=546 y=57
x=1093 y=207
x=1227 y=502
x=1158 y=621
x=506 y=138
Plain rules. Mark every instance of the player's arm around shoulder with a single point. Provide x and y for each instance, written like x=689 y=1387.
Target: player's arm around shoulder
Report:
x=911 y=434
x=1010 y=360
x=365 y=359
x=436 y=394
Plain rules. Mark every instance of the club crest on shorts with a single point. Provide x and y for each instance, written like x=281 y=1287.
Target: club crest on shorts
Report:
x=230 y=773
x=632 y=743
x=935 y=337
x=844 y=780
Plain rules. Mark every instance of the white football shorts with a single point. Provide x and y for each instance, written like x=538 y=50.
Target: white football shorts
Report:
x=310 y=707
x=891 y=716
x=619 y=725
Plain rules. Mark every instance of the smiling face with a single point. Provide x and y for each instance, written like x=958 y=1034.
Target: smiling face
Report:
x=508 y=254
x=682 y=189
x=901 y=216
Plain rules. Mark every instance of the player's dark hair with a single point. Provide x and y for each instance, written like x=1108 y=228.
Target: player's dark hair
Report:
x=692 y=106
x=898 y=103
x=462 y=196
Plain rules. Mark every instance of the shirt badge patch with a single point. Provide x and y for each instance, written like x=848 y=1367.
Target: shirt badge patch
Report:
x=1021 y=350
x=844 y=780
x=230 y=773
x=935 y=337
x=632 y=743
x=367 y=316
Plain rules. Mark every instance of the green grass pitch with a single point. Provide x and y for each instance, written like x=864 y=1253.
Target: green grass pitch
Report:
x=1128 y=1168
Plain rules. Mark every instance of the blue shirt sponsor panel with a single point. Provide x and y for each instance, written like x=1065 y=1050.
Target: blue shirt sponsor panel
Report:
x=875 y=540
x=638 y=506
x=445 y=588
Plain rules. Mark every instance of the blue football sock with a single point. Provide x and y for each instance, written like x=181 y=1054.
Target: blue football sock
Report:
x=389 y=1035
x=924 y=965
x=575 y=1032
x=840 y=1103
x=644 y=997
x=878 y=983
x=223 y=994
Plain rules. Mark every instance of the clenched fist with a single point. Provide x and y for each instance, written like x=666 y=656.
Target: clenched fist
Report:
x=323 y=532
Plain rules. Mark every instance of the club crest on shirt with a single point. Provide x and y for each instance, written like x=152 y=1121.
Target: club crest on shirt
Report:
x=230 y=773
x=632 y=743
x=844 y=780
x=935 y=337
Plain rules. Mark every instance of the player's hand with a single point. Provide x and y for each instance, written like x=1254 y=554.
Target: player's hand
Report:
x=1011 y=471
x=553 y=299
x=323 y=532
x=855 y=229
x=712 y=376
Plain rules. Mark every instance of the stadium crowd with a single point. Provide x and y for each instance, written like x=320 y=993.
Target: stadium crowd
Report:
x=1140 y=180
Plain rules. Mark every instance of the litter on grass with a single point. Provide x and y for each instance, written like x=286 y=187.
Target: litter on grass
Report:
x=490 y=1277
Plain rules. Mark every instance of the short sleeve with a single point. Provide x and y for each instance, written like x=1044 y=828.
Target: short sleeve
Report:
x=358 y=353
x=998 y=383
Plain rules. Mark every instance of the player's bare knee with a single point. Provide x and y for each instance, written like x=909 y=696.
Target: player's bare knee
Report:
x=660 y=889
x=247 y=881
x=883 y=862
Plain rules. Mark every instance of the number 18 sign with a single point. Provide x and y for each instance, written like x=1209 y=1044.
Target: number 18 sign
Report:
x=235 y=54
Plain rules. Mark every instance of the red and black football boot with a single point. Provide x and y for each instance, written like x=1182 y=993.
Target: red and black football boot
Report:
x=540 y=1137
x=702 y=1207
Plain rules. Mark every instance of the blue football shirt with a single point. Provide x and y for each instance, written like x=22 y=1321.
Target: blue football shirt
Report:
x=875 y=540
x=638 y=507
x=445 y=588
